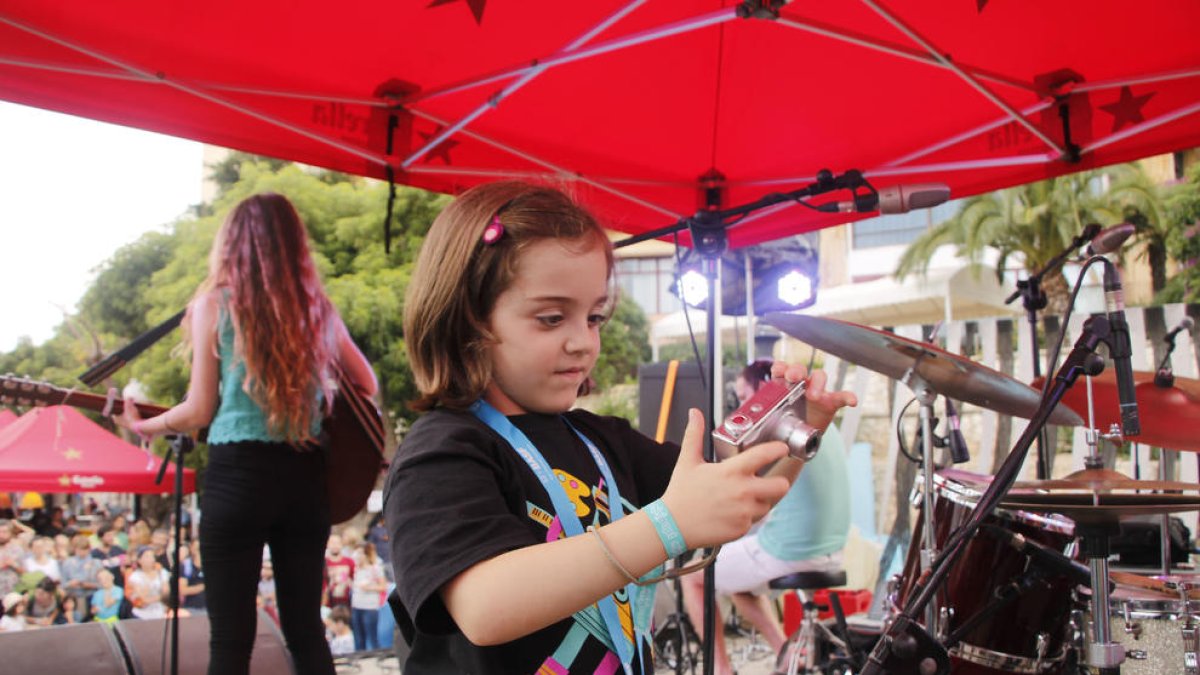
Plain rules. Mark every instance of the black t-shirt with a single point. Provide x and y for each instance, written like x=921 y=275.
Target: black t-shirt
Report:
x=458 y=494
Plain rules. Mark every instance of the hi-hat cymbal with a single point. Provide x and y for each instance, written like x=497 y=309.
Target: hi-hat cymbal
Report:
x=951 y=375
x=1170 y=415
x=1102 y=480
x=1101 y=496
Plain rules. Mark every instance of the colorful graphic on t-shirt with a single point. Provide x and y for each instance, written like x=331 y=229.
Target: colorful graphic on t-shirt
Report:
x=592 y=508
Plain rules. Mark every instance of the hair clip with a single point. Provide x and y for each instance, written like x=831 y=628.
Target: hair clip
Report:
x=493 y=232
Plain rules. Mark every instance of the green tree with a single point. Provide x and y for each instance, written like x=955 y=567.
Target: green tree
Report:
x=1037 y=221
x=1183 y=239
x=624 y=343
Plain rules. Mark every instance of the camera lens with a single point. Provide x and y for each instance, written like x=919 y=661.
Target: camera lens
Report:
x=803 y=440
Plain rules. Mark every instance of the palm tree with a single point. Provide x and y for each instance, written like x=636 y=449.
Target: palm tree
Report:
x=1038 y=221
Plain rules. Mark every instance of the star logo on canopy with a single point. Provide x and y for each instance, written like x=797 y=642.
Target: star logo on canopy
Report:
x=64 y=480
x=1127 y=109
x=475 y=5
x=442 y=150
x=72 y=453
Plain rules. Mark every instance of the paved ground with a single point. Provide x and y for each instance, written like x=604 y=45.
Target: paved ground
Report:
x=748 y=659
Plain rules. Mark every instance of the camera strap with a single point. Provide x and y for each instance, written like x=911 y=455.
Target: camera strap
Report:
x=617 y=639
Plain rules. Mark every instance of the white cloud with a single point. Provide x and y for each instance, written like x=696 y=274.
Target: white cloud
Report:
x=73 y=192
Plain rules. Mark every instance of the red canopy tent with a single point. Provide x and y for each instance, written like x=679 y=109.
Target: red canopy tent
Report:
x=643 y=106
x=6 y=416
x=58 y=449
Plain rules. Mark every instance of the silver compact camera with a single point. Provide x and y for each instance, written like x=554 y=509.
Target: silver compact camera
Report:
x=776 y=412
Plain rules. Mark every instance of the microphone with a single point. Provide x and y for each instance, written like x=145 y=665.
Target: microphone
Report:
x=1164 y=377
x=1046 y=558
x=1187 y=324
x=1109 y=239
x=958 y=445
x=1121 y=350
x=894 y=199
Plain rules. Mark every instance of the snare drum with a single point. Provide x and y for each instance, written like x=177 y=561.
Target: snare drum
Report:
x=1154 y=629
x=1029 y=635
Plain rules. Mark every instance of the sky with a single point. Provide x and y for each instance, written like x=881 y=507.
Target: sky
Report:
x=73 y=191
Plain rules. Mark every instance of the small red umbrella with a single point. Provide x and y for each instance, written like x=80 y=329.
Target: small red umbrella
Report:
x=58 y=449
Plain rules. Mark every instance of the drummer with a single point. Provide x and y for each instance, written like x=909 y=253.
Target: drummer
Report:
x=805 y=531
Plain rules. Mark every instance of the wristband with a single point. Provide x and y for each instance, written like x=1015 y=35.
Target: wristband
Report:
x=667 y=529
x=137 y=429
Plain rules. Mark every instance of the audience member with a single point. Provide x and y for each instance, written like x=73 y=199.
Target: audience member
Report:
x=43 y=609
x=266 y=590
x=14 y=612
x=110 y=554
x=147 y=586
x=339 y=574
x=79 y=575
x=367 y=597
x=106 y=601
x=41 y=558
x=341 y=639
x=191 y=574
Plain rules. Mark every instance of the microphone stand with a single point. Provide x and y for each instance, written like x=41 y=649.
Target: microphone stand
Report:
x=908 y=648
x=180 y=444
x=708 y=232
x=1034 y=299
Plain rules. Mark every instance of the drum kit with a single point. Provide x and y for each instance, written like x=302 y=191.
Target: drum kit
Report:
x=1029 y=590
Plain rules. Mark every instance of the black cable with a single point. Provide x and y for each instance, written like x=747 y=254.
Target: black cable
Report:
x=900 y=433
x=679 y=260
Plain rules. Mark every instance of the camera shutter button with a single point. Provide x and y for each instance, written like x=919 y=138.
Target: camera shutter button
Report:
x=737 y=423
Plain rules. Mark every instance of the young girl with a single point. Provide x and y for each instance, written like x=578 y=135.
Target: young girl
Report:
x=106 y=601
x=147 y=586
x=519 y=525
x=265 y=342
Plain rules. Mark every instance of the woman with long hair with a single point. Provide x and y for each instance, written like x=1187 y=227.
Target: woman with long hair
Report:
x=265 y=342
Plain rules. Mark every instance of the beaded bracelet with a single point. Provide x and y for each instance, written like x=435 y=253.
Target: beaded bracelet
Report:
x=665 y=526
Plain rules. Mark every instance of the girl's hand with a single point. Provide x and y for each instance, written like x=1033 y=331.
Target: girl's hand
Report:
x=129 y=416
x=713 y=503
x=820 y=404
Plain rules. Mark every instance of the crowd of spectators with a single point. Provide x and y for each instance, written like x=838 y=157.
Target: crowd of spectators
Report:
x=53 y=571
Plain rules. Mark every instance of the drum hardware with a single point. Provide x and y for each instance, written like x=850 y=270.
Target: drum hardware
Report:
x=1082 y=359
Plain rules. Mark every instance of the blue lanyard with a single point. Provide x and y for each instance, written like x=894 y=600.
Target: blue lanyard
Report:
x=565 y=511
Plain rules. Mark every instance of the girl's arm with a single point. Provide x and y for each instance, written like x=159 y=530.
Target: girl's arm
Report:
x=521 y=591
x=197 y=410
x=353 y=363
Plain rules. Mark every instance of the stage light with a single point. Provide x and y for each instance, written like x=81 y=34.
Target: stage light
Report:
x=693 y=288
x=795 y=288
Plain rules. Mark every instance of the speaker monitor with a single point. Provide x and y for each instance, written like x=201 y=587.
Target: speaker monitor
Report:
x=84 y=648
x=690 y=392
x=144 y=641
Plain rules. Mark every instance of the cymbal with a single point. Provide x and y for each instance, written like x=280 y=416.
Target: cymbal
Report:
x=1170 y=415
x=1101 y=496
x=951 y=375
x=1101 y=507
x=1102 y=480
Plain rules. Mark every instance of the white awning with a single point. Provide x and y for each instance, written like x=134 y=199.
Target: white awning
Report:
x=942 y=294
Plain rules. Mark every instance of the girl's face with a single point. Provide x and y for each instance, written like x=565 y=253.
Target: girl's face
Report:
x=547 y=325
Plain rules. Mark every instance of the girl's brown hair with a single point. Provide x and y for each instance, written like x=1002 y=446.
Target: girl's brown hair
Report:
x=282 y=319
x=458 y=278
